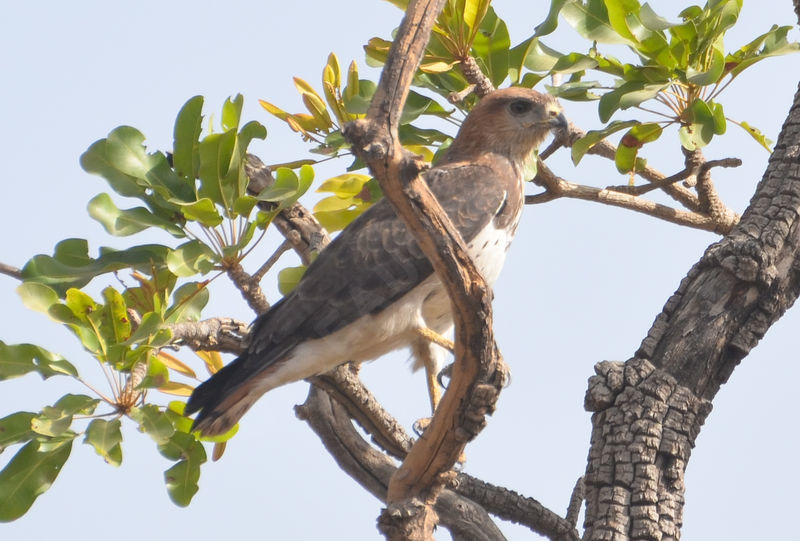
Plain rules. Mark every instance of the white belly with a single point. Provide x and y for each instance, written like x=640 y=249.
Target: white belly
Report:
x=373 y=335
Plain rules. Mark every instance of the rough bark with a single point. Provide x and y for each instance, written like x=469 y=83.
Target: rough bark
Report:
x=649 y=410
x=478 y=374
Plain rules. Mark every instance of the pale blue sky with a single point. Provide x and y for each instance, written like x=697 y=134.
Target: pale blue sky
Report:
x=582 y=282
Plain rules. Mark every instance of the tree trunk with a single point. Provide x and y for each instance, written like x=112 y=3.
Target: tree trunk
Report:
x=648 y=411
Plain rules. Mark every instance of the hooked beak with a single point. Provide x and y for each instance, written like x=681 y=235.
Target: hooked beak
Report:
x=559 y=123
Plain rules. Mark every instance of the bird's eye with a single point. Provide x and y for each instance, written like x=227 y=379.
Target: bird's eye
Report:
x=519 y=107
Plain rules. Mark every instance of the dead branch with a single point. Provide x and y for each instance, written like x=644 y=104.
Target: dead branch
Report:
x=509 y=505
x=608 y=150
x=575 y=502
x=343 y=385
x=557 y=187
x=466 y=520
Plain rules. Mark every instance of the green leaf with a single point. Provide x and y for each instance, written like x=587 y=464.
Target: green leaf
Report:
x=55 y=420
x=181 y=480
x=417 y=104
x=550 y=22
x=577 y=91
x=590 y=20
x=289 y=277
x=153 y=422
x=491 y=45
x=626 y=158
x=116 y=313
x=29 y=473
x=191 y=258
x=122 y=223
x=574 y=62
x=20 y=359
x=756 y=134
x=188 y=302
x=531 y=54
x=123 y=161
x=36 y=296
x=203 y=211
x=699 y=125
x=232 y=112
x=15 y=428
x=582 y=145
x=629 y=94
x=216 y=154
x=150 y=325
x=711 y=74
x=288 y=186
x=188 y=126
x=105 y=437
x=70 y=266
x=720 y=124
x=769 y=44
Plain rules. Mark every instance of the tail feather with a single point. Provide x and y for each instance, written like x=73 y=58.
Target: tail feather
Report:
x=221 y=400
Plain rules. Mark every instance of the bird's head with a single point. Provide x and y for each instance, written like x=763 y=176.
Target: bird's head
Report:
x=512 y=122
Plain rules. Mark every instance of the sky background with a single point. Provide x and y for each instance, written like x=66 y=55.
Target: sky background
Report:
x=581 y=284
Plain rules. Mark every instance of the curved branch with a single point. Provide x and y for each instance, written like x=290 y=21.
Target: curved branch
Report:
x=466 y=520
x=478 y=376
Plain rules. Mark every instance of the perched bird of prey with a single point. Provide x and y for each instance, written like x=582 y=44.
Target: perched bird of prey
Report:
x=372 y=290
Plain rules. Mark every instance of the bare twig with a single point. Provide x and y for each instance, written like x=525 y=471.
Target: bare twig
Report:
x=11 y=271
x=557 y=187
x=686 y=173
x=607 y=150
x=458 y=97
x=285 y=246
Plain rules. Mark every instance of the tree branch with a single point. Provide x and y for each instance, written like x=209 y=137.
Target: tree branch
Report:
x=557 y=187
x=509 y=505
x=478 y=374
x=215 y=334
x=466 y=520
x=607 y=150
x=11 y=271
x=648 y=411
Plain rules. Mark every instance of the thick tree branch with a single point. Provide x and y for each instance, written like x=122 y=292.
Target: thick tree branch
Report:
x=478 y=376
x=466 y=520
x=649 y=410
x=215 y=334
x=509 y=505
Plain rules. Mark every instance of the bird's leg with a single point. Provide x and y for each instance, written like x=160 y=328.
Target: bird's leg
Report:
x=436 y=338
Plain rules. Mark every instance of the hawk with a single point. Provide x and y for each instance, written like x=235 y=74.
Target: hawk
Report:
x=372 y=290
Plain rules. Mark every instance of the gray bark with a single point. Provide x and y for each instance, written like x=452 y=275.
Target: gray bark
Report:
x=648 y=411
